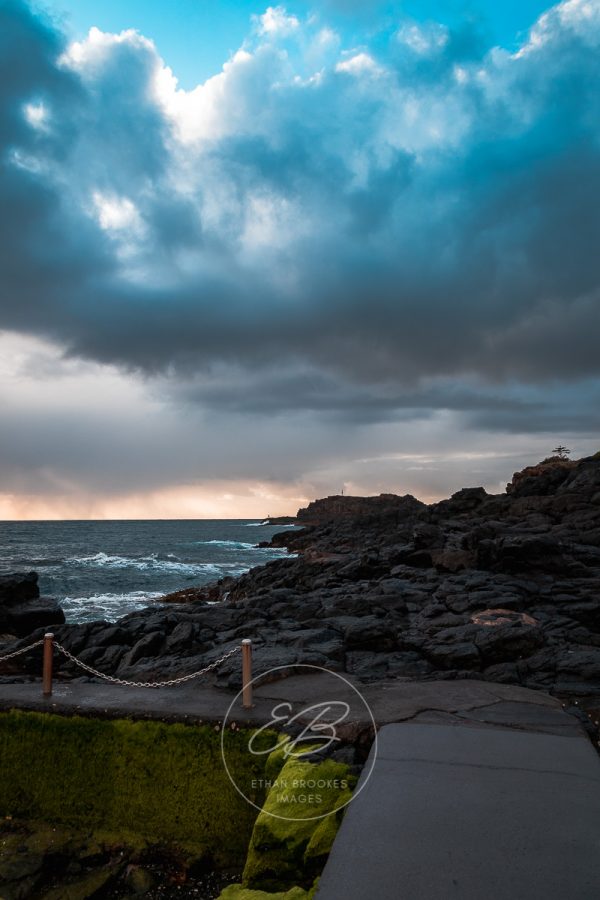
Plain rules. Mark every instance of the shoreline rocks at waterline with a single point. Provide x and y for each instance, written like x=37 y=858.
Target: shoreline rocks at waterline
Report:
x=22 y=610
x=501 y=587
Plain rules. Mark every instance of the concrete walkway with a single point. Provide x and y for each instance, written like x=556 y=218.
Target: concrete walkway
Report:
x=471 y=814
x=479 y=791
x=473 y=703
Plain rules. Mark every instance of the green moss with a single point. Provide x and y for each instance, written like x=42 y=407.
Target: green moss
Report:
x=238 y=892
x=106 y=784
x=322 y=838
x=135 y=782
x=277 y=759
x=294 y=832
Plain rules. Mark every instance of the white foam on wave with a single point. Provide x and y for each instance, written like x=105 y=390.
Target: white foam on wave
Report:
x=231 y=545
x=107 y=606
x=267 y=525
x=148 y=563
x=241 y=545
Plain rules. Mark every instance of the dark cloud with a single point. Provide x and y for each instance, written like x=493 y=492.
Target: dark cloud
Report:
x=329 y=243
x=260 y=395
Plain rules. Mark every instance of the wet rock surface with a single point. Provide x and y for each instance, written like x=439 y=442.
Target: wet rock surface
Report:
x=47 y=862
x=504 y=588
x=22 y=610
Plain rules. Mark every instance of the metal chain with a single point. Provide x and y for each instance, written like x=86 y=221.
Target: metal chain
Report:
x=22 y=650
x=145 y=684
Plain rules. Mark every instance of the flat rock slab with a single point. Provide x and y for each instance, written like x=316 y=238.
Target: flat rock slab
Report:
x=470 y=813
x=472 y=703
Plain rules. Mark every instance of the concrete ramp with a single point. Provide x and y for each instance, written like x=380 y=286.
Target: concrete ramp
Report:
x=467 y=813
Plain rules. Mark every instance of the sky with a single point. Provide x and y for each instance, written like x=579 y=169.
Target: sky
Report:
x=251 y=255
x=195 y=37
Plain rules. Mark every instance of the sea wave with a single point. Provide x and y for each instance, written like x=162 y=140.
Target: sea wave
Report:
x=109 y=607
x=267 y=525
x=239 y=545
x=230 y=545
x=34 y=562
x=148 y=563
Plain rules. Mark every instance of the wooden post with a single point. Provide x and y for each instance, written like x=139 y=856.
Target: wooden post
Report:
x=247 y=673
x=47 y=673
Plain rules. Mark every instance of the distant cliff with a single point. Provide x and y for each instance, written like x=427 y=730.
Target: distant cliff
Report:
x=331 y=509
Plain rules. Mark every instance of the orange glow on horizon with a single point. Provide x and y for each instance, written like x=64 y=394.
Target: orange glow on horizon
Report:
x=219 y=501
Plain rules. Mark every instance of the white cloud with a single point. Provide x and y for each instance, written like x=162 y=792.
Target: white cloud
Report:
x=116 y=213
x=37 y=115
x=423 y=39
x=579 y=17
x=213 y=110
x=87 y=55
x=460 y=74
x=359 y=64
x=276 y=22
x=326 y=37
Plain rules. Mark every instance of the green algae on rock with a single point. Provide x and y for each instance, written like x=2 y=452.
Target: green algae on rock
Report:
x=296 y=827
x=238 y=892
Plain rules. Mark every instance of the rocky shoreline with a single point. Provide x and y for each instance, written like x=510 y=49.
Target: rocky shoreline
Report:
x=477 y=588
x=504 y=588
x=22 y=610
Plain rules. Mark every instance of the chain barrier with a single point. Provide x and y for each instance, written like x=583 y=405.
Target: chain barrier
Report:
x=22 y=650
x=143 y=684
x=50 y=644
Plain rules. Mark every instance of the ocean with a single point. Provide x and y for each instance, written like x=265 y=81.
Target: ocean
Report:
x=105 y=569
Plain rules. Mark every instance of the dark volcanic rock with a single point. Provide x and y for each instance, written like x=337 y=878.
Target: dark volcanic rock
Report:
x=370 y=633
x=16 y=588
x=149 y=645
x=24 y=619
x=504 y=587
x=541 y=479
x=336 y=509
x=22 y=610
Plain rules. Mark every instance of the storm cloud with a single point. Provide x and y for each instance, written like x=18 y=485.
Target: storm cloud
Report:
x=368 y=234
